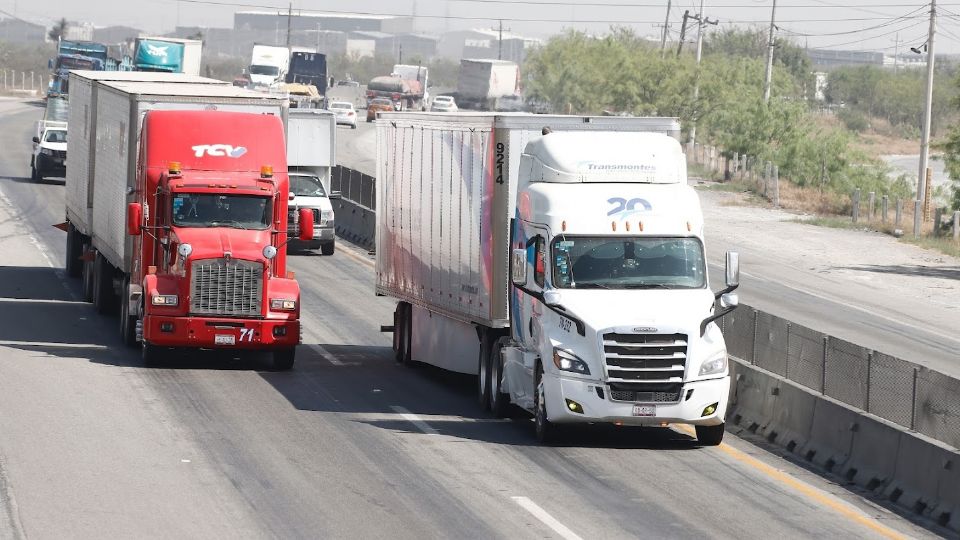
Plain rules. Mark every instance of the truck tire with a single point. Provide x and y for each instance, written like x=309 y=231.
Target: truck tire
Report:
x=546 y=431
x=402 y=329
x=128 y=322
x=73 y=265
x=710 y=435
x=499 y=401
x=483 y=372
x=35 y=174
x=283 y=359
x=103 y=298
x=86 y=274
x=328 y=249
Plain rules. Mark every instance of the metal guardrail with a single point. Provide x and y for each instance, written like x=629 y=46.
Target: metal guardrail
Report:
x=912 y=396
x=355 y=186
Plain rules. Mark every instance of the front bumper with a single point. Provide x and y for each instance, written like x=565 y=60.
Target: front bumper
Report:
x=202 y=332
x=51 y=166
x=694 y=398
x=321 y=235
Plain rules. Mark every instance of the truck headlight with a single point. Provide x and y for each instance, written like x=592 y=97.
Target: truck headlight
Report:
x=282 y=304
x=164 y=300
x=567 y=361
x=326 y=215
x=715 y=365
x=46 y=151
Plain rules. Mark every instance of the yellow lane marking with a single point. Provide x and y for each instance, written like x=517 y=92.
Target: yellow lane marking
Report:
x=349 y=253
x=807 y=490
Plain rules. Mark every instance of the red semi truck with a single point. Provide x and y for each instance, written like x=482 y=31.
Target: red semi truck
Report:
x=187 y=227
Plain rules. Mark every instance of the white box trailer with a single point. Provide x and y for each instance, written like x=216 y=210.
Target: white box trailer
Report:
x=81 y=167
x=110 y=118
x=445 y=197
x=566 y=267
x=311 y=142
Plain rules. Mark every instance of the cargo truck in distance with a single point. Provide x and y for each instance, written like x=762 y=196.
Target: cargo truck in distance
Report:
x=268 y=65
x=406 y=87
x=481 y=83
x=311 y=149
x=177 y=213
x=171 y=55
x=567 y=271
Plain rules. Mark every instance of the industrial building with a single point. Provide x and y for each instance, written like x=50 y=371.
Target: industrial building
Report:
x=278 y=21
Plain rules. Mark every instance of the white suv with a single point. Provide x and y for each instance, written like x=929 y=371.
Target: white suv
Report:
x=49 y=154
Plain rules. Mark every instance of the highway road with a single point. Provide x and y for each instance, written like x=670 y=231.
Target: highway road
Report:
x=796 y=271
x=347 y=444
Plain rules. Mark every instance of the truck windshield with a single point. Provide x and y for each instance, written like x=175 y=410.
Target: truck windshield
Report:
x=628 y=263
x=306 y=186
x=264 y=70
x=217 y=210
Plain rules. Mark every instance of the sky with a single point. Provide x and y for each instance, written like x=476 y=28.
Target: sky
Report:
x=881 y=25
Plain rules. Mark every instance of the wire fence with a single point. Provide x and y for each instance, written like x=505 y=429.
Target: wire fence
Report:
x=912 y=396
x=23 y=82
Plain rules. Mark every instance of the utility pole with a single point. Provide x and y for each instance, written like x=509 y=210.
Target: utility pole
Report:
x=769 y=74
x=663 y=37
x=925 y=140
x=289 y=18
x=702 y=23
x=683 y=31
x=896 y=52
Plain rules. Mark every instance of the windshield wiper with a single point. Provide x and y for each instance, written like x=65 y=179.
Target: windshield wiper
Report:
x=590 y=286
x=235 y=224
x=646 y=286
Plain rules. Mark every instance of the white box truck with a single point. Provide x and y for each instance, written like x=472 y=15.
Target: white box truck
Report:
x=105 y=117
x=311 y=150
x=566 y=270
x=482 y=82
x=268 y=65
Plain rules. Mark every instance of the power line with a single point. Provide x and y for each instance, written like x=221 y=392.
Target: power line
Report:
x=910 y=15
x=871 y=38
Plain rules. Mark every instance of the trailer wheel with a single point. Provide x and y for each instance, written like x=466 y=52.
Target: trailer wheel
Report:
x=483 y=373
x=283 y=359
x=103 y=297
x=128 y=322
x=710 y=435
x=74 y=266
x=401 y=331
x=499 y=401
x=86 y=274
x=546 y=431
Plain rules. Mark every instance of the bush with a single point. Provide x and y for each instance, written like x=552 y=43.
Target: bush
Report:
x=853 y=120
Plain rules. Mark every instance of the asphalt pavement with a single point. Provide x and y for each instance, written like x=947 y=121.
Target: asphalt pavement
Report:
x=347 y=444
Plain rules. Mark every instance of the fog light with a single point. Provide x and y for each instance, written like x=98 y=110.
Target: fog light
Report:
x=279 y=331
x=710 y=409
x=166 y=327
x=574 y=406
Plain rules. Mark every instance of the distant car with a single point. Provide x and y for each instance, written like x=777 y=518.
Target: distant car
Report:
x=49 y=154
x=307 y=191
x=345 y=112
x=443 y=104
x=378 y=105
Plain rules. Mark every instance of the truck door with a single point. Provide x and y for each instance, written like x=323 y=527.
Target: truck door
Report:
x=527 y=310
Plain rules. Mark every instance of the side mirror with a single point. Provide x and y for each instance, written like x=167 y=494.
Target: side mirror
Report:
x=36 y=140
x=518 y=267
x=733 y=269
x=729 y=300
x=306 y=224
x=335 y=195
x=134 y=218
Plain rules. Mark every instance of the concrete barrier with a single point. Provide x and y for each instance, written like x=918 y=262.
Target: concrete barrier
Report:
x=355 y=223
x=913 y=471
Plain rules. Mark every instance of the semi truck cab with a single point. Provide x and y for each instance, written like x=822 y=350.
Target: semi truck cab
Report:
x=612 y=317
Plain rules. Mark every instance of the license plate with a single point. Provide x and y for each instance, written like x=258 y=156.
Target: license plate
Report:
x=644 y=410
x=225 y=339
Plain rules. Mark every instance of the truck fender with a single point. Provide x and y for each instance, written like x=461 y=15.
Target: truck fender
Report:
x=147 y=290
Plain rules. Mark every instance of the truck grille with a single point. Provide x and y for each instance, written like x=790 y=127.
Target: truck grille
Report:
x=229 y=288
x=293 y=221
x=648 y=358
x=646 y=392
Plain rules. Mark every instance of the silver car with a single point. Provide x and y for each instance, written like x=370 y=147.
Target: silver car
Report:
x=345 y=112
x=444 y=104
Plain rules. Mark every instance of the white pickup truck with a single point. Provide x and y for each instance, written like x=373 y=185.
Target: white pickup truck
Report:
x=49 y=157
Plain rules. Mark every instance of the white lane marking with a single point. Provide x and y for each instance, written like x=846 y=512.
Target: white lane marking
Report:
x=414 y=419
x=5 y=299
x=50 y=344
x=546 y=518
x=328 y=356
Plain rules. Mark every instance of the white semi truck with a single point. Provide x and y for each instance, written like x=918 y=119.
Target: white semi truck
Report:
x=268 y=65
x=566 y=270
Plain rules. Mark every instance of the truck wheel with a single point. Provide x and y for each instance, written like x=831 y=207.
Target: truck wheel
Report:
x=328 y=249
x=546 y=431
x=499 y=401
x=74 y=266
x=483 y=373
x=87 y=274
x=402 y=329
x=35 y=174
x=283 y=359
x=128 y=323
x=151 y=355
x=710 y=435
x=103 y=298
